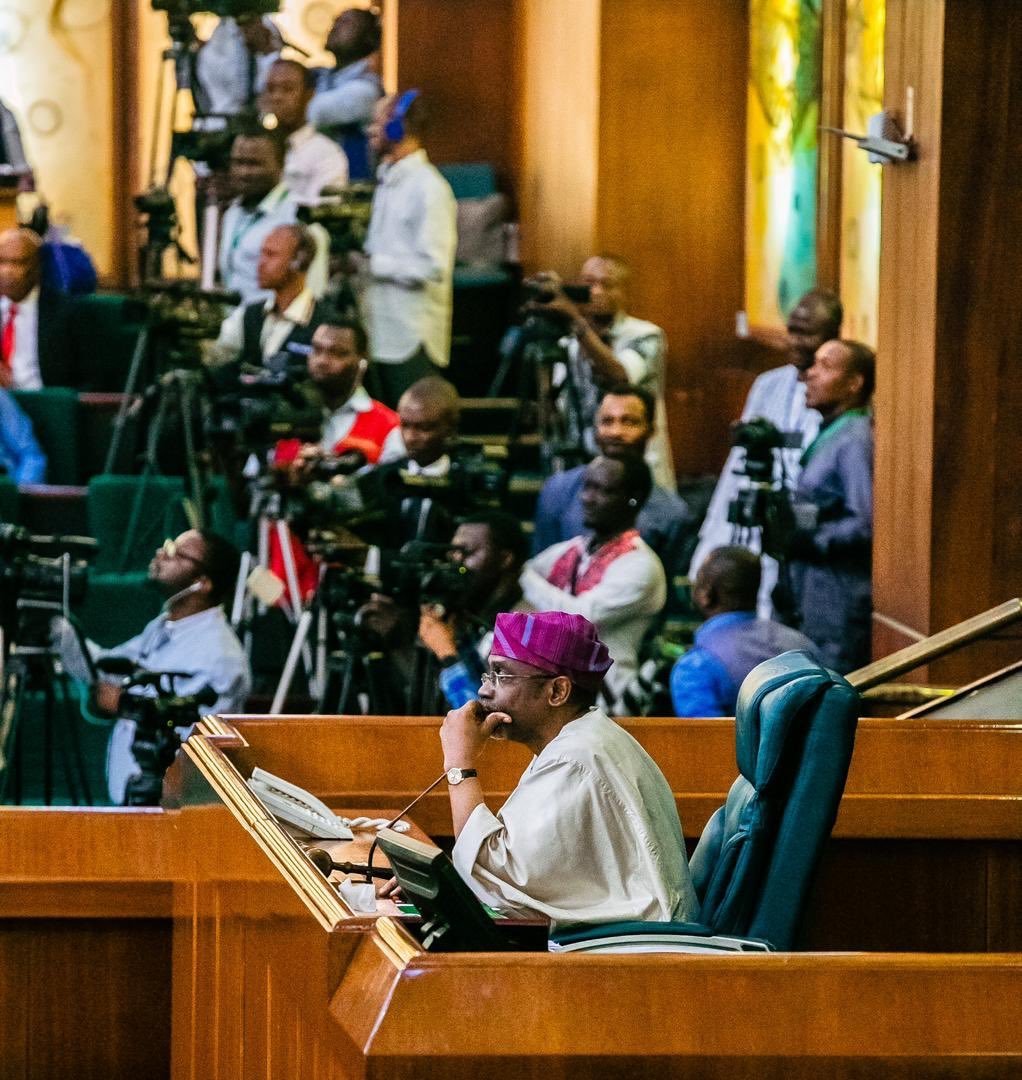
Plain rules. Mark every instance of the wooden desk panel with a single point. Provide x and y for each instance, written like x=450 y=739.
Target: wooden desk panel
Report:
x=908 y=779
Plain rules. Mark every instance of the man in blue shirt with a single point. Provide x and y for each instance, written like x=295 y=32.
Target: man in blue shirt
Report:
x=347 y=93
x=623 y=428
x=20 y=454
x=732 y=641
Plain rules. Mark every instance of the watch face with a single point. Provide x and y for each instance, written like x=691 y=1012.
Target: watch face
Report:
x=454 y=776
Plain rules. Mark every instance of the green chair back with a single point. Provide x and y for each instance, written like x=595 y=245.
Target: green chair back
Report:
x=54 y=415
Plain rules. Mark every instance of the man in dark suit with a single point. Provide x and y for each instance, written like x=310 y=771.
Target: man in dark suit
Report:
x=36 y=340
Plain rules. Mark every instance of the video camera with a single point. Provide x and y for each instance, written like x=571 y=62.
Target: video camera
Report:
x=157 y=715
x=764 y=503
x=258 y=406
x=345 y=214
x=236 y=9
x=41 y=573
x=546 y=327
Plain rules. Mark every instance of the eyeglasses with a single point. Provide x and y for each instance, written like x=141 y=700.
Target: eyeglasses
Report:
x=172 y=551
x=493 y=678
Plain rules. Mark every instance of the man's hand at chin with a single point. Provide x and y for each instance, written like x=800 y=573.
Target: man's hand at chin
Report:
x=465 y=732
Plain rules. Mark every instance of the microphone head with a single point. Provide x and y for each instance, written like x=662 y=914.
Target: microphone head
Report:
x=321 y=860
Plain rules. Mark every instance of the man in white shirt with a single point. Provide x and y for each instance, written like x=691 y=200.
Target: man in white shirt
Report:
x=232 y=64
x=312 y=161
x=607 y=347
x=611 y=576
x=37 y=346
x=253 y=333
x=410 y=247
x=197 y=571
x=778 y=395
x=591 y=833
x=263 y=202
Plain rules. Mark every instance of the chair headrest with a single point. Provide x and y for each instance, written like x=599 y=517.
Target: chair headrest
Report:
x=770 y=703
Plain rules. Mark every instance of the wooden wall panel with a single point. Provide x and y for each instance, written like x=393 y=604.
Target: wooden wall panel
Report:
x=673 y=81
x=559 y=42
x=461 y=53
x=949 y=408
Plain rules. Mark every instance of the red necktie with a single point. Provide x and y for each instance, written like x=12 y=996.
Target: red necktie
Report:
x=7 y=338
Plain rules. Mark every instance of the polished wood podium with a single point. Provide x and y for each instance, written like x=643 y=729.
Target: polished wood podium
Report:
x=197 y=941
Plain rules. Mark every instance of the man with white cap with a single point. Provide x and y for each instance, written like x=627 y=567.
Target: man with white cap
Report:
x=591 y=833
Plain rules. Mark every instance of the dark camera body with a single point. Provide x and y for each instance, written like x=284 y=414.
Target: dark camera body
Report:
x=345 y=216
x=759 y=439
x=223 y=8
x=156 y=740
x=538 y=291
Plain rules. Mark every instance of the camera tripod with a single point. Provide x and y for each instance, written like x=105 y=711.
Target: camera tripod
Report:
x=179 y=395
x=558 y=410
x=33 y=665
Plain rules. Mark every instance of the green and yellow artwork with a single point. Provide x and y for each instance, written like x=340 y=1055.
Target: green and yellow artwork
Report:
x=783 y=151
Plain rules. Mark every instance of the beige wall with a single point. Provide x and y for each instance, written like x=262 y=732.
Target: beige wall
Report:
x=56 y=74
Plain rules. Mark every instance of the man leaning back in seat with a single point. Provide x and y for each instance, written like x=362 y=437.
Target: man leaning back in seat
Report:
x=591 y=833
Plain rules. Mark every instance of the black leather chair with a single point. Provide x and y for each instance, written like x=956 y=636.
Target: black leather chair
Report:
x=757 y=858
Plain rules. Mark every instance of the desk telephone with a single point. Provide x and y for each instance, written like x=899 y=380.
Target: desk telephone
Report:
x=297 y=807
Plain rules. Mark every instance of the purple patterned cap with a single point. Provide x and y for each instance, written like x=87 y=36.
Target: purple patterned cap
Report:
x=553 y=641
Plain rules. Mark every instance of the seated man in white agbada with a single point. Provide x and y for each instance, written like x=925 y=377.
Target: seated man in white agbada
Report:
x=591 y=833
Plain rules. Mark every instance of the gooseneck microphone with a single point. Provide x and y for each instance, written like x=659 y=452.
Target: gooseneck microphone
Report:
x=325 y=864
x=370 y=872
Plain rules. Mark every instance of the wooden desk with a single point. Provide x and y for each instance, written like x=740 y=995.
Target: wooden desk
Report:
x=197 y=954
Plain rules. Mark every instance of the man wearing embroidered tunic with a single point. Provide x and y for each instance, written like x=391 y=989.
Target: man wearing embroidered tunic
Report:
x=831 y=556
x=591 y=833
x=612 y=576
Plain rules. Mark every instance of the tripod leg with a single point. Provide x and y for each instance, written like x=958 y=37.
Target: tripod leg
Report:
x=137 y=359
x=9 y=718
x=297 y=645
x=49 y=719
x=347 y=685
x=76 y=766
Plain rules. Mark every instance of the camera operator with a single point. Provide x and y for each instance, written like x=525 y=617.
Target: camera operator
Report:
x=779 y=396
x=198 y=572
x=605 y=346
x=254 y=332
x=410 y=247
x=624 y=427
x=492 y=548
x=263 y=202
x=428 y=413
x=312 y=161
x=609 y=575
x=831 y=554
x=233 y=63
x=347 y=93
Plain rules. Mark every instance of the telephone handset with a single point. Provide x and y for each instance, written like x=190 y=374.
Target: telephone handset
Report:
x=297 y=807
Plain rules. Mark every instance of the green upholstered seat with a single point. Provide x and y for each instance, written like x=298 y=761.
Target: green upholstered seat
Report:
x=54 y=415
x=8 y=501
x=111 y=503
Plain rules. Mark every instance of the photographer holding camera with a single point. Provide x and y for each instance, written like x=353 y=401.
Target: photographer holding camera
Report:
x=197 y=571
x=493 y=549
x=605 y=346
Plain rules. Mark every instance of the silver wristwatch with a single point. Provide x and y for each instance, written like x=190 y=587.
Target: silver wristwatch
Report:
x=455 y=776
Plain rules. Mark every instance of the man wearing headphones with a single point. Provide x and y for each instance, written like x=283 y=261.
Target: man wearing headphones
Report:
x=197 y=572
x=609 y=574
x=254 y=332
x=410 y=248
